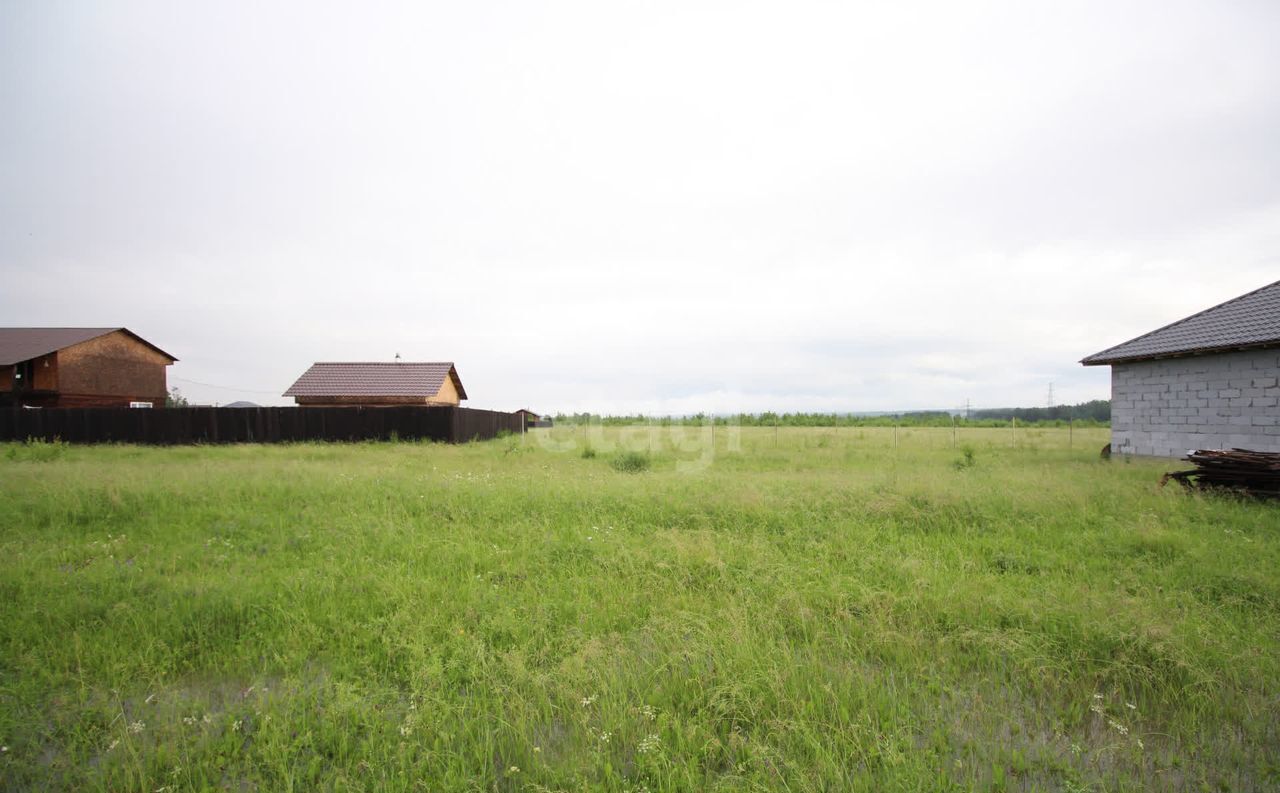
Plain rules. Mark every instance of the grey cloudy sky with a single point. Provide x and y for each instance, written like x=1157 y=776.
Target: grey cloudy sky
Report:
x=618 y=206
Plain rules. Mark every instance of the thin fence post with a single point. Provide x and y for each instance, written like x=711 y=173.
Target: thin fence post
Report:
x=953 y=432
x=1071 y=421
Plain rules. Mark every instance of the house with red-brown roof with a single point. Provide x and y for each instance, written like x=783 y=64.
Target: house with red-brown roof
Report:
x=81 y=367
x=378 y=384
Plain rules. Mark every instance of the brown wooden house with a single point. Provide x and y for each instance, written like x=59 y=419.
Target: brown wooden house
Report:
x=81 y=367
x=531 y=419
x=378 y=384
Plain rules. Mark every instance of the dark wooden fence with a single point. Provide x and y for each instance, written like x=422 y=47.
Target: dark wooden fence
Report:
x=253 y=425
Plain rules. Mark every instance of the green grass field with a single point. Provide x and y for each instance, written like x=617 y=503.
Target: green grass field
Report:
x=816 y=610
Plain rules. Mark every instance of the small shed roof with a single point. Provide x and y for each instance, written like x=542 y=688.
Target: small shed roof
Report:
x=1251 y=320
x=23 y=344
x=357 y=379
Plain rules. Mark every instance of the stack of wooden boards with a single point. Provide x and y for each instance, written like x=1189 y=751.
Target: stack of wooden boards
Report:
x=1242 y=470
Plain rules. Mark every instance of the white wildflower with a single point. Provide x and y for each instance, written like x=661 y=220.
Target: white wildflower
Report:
x=1130 y=706
x=605 y=736
x=137 y=727
x=649 y=743
x=237 y=725
x=588 y=701
x=515 y=769
x=113 y=744
x=1120 y=728
x=1097 y=696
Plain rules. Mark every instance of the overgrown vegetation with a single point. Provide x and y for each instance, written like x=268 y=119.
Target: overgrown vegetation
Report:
x=35 y=450
x=630 y=462
x=826 y=609
x=1085 y=415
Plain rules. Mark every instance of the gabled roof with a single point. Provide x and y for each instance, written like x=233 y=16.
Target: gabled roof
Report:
x=23 y=344
x=376 y=379
x=1251 y=320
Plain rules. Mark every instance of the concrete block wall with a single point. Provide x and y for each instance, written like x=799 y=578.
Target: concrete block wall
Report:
x=1228 y=400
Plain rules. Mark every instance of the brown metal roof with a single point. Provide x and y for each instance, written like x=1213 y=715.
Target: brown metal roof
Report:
x=376 y=379
x=23 y=344
x=1251 y=320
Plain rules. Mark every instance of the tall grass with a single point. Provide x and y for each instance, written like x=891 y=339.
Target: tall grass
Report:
x=812 y=610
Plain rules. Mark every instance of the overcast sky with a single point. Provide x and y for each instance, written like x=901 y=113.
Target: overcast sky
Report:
x=660 y=207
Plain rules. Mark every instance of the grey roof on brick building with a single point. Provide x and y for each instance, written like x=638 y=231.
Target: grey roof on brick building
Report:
x=1251 y=320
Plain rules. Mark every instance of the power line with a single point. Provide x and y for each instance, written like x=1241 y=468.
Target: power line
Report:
x=225 y=387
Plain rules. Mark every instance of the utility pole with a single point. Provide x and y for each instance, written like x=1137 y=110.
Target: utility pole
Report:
x=967 y=405
x=1050 y=400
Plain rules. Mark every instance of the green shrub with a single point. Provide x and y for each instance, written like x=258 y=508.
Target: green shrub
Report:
x=967 y=459
x=630 y=462
x=588 y=453
x=36 y=450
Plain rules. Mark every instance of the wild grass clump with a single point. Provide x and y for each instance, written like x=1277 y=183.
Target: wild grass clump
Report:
x=588 y=453
x=968 y=458
x=36 y=450
x=631 y=462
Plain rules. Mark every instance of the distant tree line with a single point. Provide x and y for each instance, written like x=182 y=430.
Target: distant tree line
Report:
x=1097 y=410
x=1096 y=413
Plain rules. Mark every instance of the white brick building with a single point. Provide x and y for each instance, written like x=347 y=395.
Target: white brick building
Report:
x=1210 y=381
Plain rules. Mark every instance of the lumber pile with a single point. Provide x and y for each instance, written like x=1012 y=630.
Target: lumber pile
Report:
x=1240 y=470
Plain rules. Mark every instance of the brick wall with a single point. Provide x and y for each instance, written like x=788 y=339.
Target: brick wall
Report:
x=1165 y=407
x=114 y=369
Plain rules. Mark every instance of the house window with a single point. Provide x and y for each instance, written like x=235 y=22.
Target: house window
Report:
x=140 y=405
x=22 y=375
